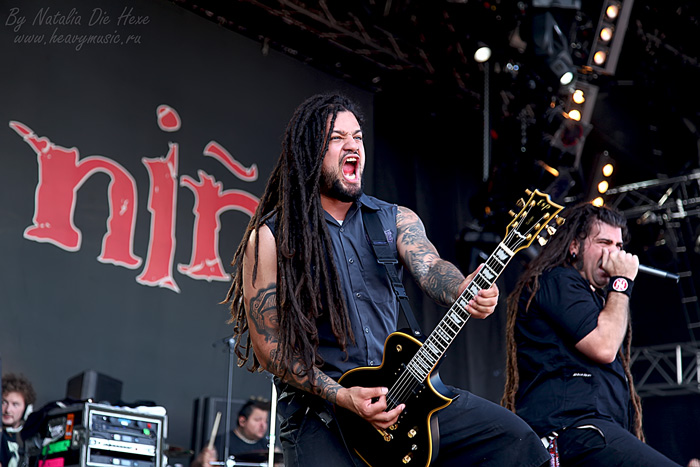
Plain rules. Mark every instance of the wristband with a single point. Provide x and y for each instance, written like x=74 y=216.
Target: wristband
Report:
x=621 y=284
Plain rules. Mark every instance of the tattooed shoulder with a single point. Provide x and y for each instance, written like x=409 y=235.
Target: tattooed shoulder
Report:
x=262 y=312
x=410 y=229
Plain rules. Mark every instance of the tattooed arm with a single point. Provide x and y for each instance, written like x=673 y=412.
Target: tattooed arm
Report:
x=263 y=325
x=439 y=279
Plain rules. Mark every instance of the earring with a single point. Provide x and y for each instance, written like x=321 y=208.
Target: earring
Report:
x=573 y=256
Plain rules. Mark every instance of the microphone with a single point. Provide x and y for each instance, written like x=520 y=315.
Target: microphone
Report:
x=658 y=272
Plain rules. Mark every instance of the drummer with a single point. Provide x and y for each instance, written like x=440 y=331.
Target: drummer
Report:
x=250 y=434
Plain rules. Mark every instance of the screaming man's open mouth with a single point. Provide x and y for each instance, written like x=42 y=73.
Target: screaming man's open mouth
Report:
x=350 y=168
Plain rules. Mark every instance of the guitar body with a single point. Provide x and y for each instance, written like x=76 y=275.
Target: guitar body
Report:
x=414 y=439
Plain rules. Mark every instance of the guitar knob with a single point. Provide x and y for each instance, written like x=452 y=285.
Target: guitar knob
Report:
x=407 y=458
x=411 y=432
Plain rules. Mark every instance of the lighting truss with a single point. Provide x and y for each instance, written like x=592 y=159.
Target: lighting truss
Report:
x=666 y=370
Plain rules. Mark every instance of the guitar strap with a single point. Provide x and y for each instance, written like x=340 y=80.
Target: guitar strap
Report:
x=386 y=257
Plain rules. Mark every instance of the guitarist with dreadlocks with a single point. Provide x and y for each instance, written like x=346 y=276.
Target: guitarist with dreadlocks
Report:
x=568 y=338
x=311 y=301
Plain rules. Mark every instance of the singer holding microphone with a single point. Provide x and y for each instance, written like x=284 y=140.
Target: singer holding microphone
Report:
x=568 y=345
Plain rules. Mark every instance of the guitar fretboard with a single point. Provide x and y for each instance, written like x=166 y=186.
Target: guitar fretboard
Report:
x=457 y=316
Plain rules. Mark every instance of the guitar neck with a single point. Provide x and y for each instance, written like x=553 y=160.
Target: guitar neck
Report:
x=457 y=316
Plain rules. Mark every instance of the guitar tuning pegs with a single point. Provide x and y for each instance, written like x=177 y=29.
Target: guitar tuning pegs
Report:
x=551 y=230
x=528 y=192
x=520 y=203
x=559 y=220
x=541 y=241
x=511 y=213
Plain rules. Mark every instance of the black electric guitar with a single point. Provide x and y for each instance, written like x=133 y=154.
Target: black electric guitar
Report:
x=409 y=365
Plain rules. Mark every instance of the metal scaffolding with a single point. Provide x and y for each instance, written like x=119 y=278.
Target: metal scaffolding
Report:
x=674 y=203
x=666 y=370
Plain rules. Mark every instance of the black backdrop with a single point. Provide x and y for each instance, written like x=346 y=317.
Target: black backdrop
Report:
x=63 y=312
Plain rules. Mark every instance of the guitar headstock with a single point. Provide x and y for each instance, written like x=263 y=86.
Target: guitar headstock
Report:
x=534 y=217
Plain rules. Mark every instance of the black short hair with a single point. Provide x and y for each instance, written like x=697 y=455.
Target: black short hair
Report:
x=253 y=403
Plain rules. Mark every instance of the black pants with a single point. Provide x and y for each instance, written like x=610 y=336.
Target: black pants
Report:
x=473 y=431
x=608 y=444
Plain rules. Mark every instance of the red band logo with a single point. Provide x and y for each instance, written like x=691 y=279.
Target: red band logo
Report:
x=620 y=284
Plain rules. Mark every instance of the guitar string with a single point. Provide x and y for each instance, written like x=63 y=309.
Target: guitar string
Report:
x=407 y=383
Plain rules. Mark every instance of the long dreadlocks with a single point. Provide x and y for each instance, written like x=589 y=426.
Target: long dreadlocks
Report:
x=580 y=220
x=307 y=276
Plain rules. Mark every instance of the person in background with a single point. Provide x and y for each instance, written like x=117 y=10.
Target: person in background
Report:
x=18 y=397
x=250 y=434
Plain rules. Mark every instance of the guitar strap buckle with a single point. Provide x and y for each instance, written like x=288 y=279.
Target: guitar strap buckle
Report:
x=324 y=415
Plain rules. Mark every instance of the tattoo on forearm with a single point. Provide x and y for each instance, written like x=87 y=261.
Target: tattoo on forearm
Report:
x=326 y=387
x=323 y=385
x=442 y=283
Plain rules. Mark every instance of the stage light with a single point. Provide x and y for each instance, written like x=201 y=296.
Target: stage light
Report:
x=598 y=202
x=574 y=114
x=553 y=46
x=612 y=11
x=578 y=97
x=600 y=57
x=566 y=78
x=606 y=34
x=603 y=187
x=482 y=54
x=608 y=170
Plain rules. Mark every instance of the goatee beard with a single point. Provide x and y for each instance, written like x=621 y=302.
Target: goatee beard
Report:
x=331 y=187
